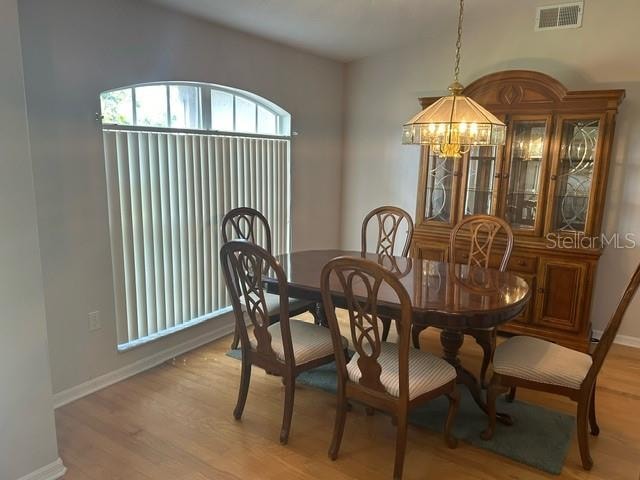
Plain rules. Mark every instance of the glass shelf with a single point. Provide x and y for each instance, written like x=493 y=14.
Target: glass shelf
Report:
x=480 y=171
x=439 y=191
x=575 y=173
x=527 y=149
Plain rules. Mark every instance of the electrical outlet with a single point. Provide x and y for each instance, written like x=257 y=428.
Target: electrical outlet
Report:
x=94 y=321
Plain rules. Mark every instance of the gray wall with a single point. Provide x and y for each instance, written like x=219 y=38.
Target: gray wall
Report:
x=382 y=94
x=73 y=50
x=27 y=431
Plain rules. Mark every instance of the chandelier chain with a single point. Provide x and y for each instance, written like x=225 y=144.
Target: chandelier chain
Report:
x=459 y=42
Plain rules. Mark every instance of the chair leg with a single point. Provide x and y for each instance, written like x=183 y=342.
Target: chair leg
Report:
x=511 y=396
x=593 y=422
x=236 y=338
x=338 y=428
x=493 y=391
x=401 y=445
x=415 y=336
x=454 y=404
x=386 y=326
x=487 y=340
x=289 y=393
x=245 y=378
x=583 y=436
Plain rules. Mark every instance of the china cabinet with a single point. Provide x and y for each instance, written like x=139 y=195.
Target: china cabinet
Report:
x=548 y=182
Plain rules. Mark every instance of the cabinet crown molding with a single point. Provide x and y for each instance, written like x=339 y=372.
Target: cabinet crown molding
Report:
x=526 y=89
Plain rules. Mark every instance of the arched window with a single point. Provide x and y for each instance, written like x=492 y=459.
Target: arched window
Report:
x=179 y=155
x=193 y=106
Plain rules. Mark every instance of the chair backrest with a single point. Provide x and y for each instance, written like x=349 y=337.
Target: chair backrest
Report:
x=480 y=232
x=245 y=223
x=610 y=332
x=245 y=265
x=360 y=282
x=389 y=221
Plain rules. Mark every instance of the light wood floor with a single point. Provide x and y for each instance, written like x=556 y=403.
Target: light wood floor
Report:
x=175 y=422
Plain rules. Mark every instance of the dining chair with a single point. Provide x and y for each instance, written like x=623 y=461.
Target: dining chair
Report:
x=537 y=364
x=286 y=348
x=391 y=377
x=472 y=242
x=389 y=222
x=245 y=223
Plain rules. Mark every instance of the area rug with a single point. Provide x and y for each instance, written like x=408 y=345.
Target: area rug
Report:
x=539 y=437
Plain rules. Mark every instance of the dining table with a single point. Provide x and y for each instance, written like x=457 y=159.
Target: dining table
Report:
x=452 y=297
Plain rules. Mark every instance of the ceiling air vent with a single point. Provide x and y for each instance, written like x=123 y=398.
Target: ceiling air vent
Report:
x=554 y=17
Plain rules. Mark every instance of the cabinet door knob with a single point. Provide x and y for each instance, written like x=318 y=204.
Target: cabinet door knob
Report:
x=540 y=290
x=554 y=177
x=505 y=175
x=497 y=175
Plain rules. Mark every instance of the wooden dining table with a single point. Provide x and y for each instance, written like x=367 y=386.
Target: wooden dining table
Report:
x=452 y=297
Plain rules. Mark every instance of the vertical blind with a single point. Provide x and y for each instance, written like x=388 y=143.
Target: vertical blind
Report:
x=167 y=194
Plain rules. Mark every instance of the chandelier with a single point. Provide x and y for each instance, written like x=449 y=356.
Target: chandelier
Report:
x=454 y=123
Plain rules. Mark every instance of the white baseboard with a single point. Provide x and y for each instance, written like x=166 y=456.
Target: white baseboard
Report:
x=53 y=471
x=224 y=328
x=627 y=340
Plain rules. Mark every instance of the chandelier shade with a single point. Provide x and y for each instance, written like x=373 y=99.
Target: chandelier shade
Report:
x=454 y=120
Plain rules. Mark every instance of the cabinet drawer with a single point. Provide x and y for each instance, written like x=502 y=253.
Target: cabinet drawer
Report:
x=516 y=263
x=434 y=252
x=523 y=264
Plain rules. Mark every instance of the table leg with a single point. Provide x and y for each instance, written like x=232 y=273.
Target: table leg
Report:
x=452 y=341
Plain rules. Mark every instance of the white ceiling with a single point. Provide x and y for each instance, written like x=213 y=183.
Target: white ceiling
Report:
x=340 y=29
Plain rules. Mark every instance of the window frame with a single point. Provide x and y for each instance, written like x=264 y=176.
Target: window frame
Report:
x=205 y=90
x=283 y=118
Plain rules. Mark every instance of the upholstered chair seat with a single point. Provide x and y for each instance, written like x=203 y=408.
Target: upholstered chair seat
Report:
x=541 y=361
x=273 y=303
x=310 y=342
x=426 y=371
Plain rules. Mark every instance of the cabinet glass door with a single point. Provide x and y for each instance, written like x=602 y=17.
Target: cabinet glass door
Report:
x=526 y=160
x=574 y=174
x=480 y=180
x=440 y=178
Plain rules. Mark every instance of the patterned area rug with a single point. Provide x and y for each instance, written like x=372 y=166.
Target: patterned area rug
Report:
x=539 y=437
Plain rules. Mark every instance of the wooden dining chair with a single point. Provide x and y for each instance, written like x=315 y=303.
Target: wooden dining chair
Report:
x=472 y=242
x=536 y=364
x=387 y=376
x=389 y=221
x=286 y=348
x=245 y=223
